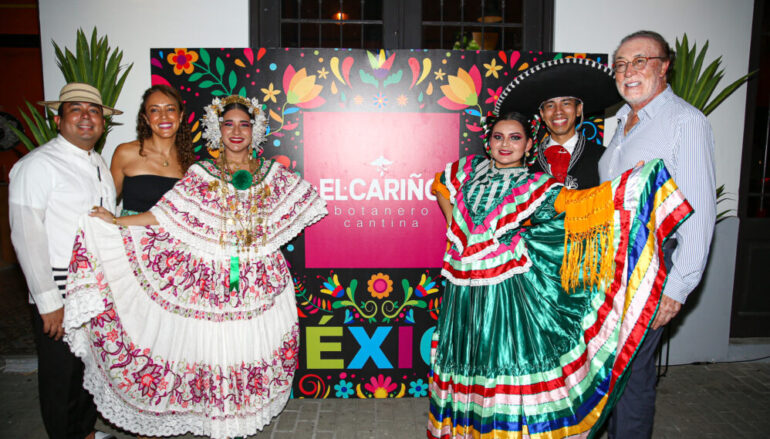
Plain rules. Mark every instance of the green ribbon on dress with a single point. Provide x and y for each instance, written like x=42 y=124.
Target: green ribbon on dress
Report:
x=235 y=272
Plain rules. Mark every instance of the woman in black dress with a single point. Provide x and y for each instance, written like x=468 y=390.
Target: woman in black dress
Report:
x=146 y=168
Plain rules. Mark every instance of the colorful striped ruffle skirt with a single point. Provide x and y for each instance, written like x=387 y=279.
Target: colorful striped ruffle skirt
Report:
x=524 y=359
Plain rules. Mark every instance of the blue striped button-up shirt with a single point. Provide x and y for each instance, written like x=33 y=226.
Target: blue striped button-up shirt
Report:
x=673 y=130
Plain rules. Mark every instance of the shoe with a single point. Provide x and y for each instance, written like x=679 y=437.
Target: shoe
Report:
x=103 y=435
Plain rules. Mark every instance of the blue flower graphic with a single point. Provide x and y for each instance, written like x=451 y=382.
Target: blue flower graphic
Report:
x=380 y=100
x=344 y=389
x=418 y=388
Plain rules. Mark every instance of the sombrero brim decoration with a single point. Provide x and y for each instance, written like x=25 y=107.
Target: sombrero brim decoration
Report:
x=79 y=92
x=586 y=79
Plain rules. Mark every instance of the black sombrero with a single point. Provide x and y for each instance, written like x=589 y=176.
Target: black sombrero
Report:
x=582 y=78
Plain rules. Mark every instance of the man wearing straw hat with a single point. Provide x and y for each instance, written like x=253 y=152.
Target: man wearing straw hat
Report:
x=50 y=188
x=560 y=91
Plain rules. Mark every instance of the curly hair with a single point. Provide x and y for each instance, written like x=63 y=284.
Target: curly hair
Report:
x=183 y=140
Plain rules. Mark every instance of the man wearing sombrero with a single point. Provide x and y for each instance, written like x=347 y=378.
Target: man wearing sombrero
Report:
x=561 y=91
x=50 y=188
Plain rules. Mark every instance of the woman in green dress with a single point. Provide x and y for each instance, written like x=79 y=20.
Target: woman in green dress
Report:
x=549 y=291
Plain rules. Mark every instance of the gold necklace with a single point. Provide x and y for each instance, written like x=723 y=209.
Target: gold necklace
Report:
x=163 y=160
x=240 y=212
x=233 y=167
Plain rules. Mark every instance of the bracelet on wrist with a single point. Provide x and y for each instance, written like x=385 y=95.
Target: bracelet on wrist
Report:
x=115 y=220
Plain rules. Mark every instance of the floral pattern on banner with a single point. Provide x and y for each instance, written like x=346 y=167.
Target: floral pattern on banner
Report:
x=292 y=82
x=346 y=385
x=365 y=310
x=380 y=307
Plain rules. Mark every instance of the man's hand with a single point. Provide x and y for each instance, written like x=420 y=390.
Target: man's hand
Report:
x=667 y=310
x=52 y=324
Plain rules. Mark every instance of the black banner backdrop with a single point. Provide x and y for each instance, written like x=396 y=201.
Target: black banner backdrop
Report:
x=370 y=130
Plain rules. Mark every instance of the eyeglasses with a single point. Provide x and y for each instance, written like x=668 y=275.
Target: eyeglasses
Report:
x=638 y=63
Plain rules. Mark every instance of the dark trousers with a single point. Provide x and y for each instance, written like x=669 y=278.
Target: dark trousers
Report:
x=634 y=412
x=68 y=410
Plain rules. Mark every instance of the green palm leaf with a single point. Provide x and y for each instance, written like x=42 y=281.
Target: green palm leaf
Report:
x=697 y=88
x=93 y=62
x=42 y=128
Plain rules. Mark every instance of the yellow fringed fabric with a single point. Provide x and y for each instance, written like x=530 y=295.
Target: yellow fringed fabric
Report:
x=588 y=237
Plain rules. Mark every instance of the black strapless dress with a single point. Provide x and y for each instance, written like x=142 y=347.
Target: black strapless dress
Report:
x=141 y=192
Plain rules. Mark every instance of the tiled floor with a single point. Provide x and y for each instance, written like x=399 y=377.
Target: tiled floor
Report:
x=694 y=401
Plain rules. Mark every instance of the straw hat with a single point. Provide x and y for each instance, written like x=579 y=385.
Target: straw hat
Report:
x=79 y=92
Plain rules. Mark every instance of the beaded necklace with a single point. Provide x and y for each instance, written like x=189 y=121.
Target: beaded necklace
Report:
x=244 y=209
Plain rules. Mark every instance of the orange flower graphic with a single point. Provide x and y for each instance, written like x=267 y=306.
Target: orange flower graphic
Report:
x=463 y=90
x=379 y=285
x=182 y=60
x=301 y=89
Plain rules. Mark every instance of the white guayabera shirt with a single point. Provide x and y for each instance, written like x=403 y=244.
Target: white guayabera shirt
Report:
x=50 y=189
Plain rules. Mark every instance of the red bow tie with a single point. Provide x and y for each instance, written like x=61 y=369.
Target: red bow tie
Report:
x=558 y=159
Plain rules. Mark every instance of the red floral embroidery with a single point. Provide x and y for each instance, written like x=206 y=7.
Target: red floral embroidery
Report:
x=79 y=258
x=148 y=378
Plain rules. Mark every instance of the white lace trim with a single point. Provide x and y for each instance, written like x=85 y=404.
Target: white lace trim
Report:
x=143 y=422
x=447 y=176
x=311 y=211
x=472 y=282
x=81 y=305
x=315 y=211
x=481 y=254
x=454 y=239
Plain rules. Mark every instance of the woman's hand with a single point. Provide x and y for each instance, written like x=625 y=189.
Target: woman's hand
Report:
x=141 y=219
x=103 y=214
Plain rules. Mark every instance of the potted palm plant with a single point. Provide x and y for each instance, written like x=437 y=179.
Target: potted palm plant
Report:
x=94 y=63
x=702 y=330
x=696 y=86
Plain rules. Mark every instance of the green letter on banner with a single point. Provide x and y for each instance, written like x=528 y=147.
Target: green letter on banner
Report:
x=315 y=347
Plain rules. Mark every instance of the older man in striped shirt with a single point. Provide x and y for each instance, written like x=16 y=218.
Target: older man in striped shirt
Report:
x=655 y=123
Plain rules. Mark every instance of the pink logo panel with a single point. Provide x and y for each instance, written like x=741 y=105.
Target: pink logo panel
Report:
x=375 y=170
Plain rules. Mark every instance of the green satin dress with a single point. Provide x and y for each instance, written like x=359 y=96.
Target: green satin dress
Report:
x=513 y=353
